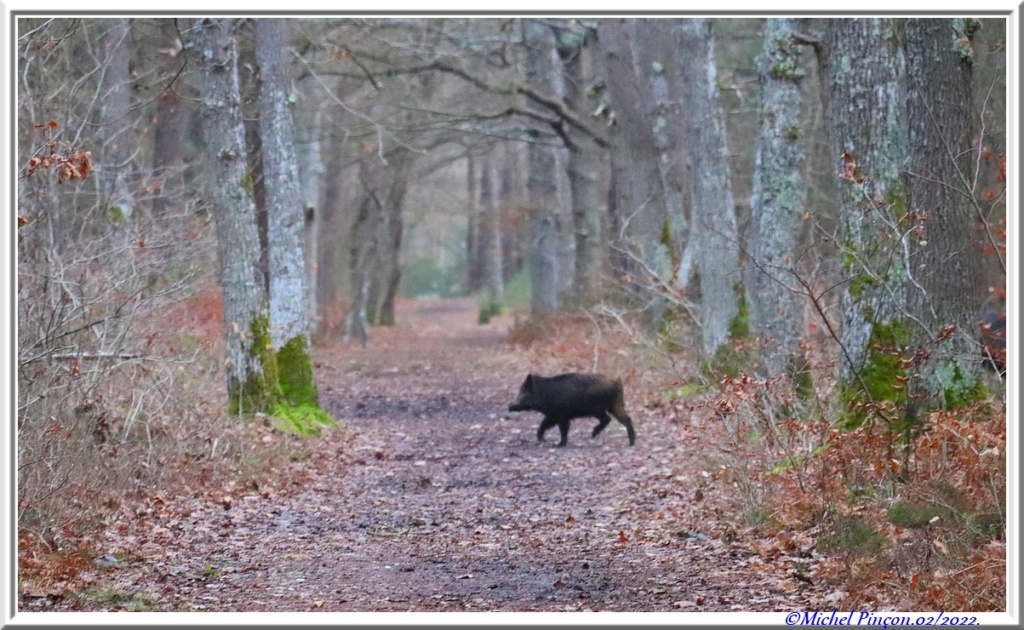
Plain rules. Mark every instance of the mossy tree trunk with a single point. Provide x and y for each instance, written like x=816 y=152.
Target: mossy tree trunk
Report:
x=289 y=322
x=946 y=288
x=250 y=364
x=864 y=115
x=714 y=213
x=777 y=203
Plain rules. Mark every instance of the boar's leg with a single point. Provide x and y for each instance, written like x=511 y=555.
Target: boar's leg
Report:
x=624 y=419
x=563 y=428
x=544 y=426
x=603 y=417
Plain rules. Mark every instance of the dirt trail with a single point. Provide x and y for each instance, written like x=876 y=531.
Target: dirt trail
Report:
x=442 y=500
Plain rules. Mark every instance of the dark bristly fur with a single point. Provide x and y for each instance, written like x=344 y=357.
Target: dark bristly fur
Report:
x=567 y=396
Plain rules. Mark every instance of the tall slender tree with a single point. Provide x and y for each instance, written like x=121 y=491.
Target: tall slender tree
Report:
x=250 y=365
x=289 y=324
x=714 y=213
x=777 y=203
x=541 y=172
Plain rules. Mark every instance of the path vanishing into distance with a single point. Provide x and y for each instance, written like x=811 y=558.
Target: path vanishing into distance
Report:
x=436 y=498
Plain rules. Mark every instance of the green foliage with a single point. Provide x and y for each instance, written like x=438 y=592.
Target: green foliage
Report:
x=850 y=534
x=302 y=420
x=488 y=310
x=911 y=515
x=115 y=214
x=424 y=277
x=295 y=369
x=518 y=290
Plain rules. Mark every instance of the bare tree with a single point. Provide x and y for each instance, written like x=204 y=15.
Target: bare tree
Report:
x=777 y=205
x=714 y=220
x=540 y=184
x=251 y=371
x=945 y=263
x=863 y=118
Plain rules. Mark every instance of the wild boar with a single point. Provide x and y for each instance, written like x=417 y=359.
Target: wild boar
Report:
x=567 y=396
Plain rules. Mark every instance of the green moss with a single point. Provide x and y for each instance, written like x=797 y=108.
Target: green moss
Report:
x=247 y=183
x=912 y=515
x=851 y=534
x=858 y=284
x=739 y=327
x=896 y=199
x=883 y=375
x=788 y=69
x=303 y=420
x=260 y=389
x=295 y=370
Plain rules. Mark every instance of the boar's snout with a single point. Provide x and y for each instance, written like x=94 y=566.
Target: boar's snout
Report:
x=515 y=406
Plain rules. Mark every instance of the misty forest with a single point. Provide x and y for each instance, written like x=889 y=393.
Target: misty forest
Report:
x=294 y=296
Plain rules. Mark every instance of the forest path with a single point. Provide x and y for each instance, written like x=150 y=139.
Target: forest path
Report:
x=436 y=498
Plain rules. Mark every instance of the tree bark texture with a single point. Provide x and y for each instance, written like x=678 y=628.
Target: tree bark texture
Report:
x=714 y=214
x=490 y=233
x=250 y=374
x=777 y=203
x=946 y=287
x=860 y=81
x=638 y=198
x=655 y=52
x=170 y=129
x=285 y=213
x=116 y=160
x=584 y=164
x=540 y=184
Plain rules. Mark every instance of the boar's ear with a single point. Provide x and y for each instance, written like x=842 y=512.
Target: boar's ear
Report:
x=528 y=383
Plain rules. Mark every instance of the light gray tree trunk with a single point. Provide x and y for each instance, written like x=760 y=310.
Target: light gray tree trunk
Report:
x=655 y=60
x=474 y=264
x=312 y=172
x=388 y=272
x=946 y=287
x=540 y=184
x=490 y=234
x=714 y=213
x=115 y=118
x=638 y=197
x=251 y=372
x=860 y=81
x=285 y=212
x=777 y=203
x=588 y=195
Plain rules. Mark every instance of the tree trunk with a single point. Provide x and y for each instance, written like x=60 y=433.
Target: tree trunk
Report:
x=946 y=284
x=860 y=81
x=115 y=118
x=714 y=215
x=777 y=203
x=540 y=184
x=286 y=224
x=584 y=165
x=474 y=270
x=170 y=128
x=311 y=172
x=638 y=196
x=389 y=271
x=251 y=369
x=490 y=235
x=285 y=213
x=655 y=50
